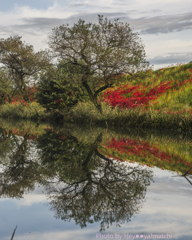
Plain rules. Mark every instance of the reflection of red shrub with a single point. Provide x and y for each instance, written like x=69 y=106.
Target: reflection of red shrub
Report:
x=130 y=146
x=147 y=154
x=33 y=136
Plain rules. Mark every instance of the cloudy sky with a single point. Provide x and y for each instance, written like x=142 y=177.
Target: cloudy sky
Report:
x=165 y=26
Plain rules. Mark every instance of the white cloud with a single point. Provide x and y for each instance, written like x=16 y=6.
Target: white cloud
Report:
x=29 y=198
x=150 y=16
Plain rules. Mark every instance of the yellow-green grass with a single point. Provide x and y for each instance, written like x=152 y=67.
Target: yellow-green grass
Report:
x=31 y=111
x=86 y=113
x=21 y=127
x=176 y=73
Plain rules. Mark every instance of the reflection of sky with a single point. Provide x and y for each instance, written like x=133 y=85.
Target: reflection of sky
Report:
x=167 y=209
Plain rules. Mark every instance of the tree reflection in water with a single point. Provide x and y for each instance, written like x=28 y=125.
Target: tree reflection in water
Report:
x=19 y=172
x=88 y=186
x=82 y=184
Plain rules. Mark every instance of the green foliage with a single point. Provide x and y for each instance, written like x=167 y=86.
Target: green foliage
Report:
x=22 y=61
x=6 y=85
x=100 y=52
x=56 y=88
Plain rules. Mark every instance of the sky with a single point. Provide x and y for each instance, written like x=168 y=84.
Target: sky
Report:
x=165 y=26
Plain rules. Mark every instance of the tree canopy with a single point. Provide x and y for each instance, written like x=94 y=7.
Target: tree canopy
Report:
x=21 y=59
x=100 y=52
x=6 y=85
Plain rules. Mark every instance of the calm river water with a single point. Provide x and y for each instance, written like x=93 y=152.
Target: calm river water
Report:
x=69 y=182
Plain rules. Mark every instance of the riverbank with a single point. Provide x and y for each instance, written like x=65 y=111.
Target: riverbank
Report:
x=85 y=113
x=28 y=111
x=129 y=118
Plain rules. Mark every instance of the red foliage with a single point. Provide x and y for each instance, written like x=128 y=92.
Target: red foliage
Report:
x=58 y=101
x=151 y=154
x=18 y=98
x=140 y=95
x=137 y=148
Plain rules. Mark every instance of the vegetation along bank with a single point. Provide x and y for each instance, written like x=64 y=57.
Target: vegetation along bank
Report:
x=96 y=74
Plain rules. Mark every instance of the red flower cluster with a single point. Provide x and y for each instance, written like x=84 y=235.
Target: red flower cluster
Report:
x=179 y=112
x=62 y=137
x=140 y=95
x=58 y=101
x=31 y=93
x=136 y=96
x=14 y=102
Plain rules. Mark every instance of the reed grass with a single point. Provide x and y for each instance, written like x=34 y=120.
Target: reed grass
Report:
x=31 y=111
x=13 y=233
x=86 y=113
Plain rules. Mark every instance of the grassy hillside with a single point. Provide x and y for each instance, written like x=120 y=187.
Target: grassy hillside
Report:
x=167 y=90
x=156 y=99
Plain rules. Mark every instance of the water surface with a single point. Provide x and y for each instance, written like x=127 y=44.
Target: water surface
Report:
x=70 y=182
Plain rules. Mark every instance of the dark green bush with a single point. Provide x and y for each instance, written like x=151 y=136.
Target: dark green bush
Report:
x=58 y=89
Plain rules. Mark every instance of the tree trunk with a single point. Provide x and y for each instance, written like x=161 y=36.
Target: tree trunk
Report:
x=22 y=88
x=25 y=96
x=98 y=106
x=92 y=97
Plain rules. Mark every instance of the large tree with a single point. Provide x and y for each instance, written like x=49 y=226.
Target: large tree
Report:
x=22 y=61
x=99 y=51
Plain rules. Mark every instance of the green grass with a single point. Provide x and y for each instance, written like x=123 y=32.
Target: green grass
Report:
x=31 y=111
x=86 y=113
